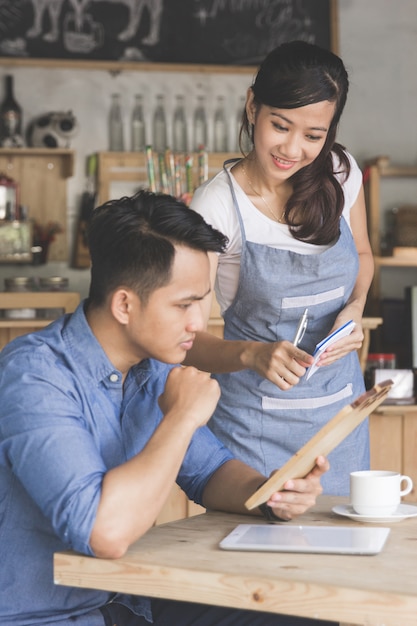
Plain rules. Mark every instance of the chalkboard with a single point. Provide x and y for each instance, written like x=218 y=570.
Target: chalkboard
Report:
x=211 y=32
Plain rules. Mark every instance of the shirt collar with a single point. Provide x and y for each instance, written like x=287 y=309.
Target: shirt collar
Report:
x=89 y=354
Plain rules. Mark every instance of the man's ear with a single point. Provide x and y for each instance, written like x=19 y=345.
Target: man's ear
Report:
x=121 y=305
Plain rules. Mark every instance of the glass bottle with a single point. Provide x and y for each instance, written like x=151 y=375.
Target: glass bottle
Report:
x=200 y=125
x=137 y=126
x=116 y=139
x=10 y=117
x=179 y=127
x=245 y=140
x=220 y=127
x=159 y=125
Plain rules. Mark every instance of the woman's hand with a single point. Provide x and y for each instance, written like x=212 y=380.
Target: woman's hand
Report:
x=347 y=344
x=281 y=362
x=299 y=494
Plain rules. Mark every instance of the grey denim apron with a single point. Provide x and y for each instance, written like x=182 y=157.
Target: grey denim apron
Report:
x=261 y=424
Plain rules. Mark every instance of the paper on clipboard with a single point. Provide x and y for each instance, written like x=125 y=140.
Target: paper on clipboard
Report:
x=323 y=442
x=339 y=333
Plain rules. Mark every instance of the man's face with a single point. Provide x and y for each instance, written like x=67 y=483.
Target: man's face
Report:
x=164 y=328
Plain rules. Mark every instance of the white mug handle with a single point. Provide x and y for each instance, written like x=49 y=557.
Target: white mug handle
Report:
x=409 y=485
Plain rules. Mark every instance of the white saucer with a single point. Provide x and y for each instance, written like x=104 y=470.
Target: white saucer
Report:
x=403 y=512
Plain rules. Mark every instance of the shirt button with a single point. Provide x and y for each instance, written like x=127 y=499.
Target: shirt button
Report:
x=114 y=378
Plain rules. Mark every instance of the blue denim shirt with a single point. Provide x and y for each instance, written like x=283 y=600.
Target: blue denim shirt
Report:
x=65 y=420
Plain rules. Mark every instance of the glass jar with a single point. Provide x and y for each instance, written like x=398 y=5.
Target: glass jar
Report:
x=378 y=361
x=8 y=198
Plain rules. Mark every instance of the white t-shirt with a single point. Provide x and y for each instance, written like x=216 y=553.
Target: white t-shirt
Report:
x=213 y=200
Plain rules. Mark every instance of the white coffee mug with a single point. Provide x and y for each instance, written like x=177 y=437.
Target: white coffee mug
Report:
x=376 y=492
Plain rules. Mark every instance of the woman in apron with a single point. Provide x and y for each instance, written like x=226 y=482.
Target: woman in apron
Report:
x=294 y=212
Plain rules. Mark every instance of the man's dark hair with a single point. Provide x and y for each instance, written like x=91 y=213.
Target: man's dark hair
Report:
x=132 y=242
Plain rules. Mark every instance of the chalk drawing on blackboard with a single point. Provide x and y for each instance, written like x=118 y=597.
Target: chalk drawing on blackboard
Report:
x=260 y=25
x=10 y=13
x=10 y=17
x=53 y=10
x=213 y=32
x=80 y=32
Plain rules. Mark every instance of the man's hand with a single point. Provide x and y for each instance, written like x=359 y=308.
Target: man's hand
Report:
x=234 y=482
x=190 y=394
x=299 y=494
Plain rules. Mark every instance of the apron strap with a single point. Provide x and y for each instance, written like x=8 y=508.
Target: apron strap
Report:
x=235 y=202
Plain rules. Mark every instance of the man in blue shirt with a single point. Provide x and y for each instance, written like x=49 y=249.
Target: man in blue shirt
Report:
x=97 y=422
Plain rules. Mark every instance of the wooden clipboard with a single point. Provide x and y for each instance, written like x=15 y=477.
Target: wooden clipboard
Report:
x=323 y=442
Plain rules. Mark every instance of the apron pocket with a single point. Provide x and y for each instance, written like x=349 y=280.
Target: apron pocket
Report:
x=312 y=300
x=272 y=404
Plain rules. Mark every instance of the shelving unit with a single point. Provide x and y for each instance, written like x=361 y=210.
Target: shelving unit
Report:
x=393 y=441
x=130 y=167
x=41 y=174
x=11 y=328
x=392 y=335
x=375 y=170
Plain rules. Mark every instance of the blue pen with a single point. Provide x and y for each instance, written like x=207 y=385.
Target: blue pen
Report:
x=301 y=328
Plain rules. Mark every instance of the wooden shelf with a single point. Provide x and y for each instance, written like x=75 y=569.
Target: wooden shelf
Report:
x=375 y=170
x=395 y=409
x=391 y=261
x=382 y=163
x=114 y=167
x=127 y=66
x=11 y=328
x=41 y=174
x=24 y=323
x=65 y=154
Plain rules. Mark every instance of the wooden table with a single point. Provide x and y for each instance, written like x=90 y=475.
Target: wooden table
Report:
x=181 y=560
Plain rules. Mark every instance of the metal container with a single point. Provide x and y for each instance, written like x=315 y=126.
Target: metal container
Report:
x=20 y=284
x=53 y=283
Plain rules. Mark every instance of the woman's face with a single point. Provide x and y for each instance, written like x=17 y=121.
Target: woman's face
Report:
x=286 y=140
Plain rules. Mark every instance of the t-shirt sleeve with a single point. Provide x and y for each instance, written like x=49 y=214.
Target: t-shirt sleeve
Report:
x=353 y=184
x=212 y=201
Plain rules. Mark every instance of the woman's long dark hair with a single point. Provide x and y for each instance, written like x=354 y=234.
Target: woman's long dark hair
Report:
x=293 y=75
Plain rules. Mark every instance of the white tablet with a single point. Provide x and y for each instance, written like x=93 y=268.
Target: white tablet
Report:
x=289 y=538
